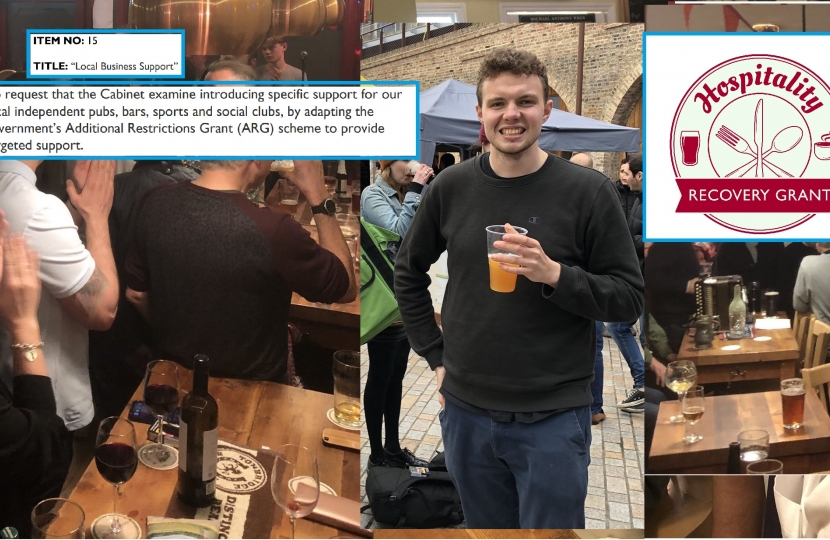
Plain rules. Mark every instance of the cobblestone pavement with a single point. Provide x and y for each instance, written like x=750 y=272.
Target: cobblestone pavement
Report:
x=615 y=477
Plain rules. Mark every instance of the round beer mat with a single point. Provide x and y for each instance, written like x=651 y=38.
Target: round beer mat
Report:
x=101 y=527
x=762 y=338
x=730 y=348
x=149 y=459
x=333 y=419
x=324 y=488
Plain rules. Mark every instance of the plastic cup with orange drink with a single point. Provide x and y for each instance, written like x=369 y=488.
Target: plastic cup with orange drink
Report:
x=500 y=280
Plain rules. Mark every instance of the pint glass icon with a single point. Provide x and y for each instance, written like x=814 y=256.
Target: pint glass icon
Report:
x=689 y=145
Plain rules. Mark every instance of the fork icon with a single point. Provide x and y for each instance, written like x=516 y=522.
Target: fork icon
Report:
x=739 y=144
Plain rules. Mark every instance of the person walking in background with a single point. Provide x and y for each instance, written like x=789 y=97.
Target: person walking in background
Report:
x=390 y=203
x=629 y=188
x=514 y=369
x=597 y=414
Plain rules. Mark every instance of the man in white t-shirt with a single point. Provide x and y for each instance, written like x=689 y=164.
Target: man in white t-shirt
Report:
x=80 y=284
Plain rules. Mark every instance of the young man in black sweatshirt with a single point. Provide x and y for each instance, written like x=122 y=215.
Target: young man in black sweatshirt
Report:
x=514 y=369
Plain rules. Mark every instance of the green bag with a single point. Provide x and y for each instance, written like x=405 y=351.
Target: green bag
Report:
x=378 y=306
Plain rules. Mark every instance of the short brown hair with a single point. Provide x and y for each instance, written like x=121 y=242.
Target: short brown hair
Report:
x=243 y=72
x=270 y=41
x=511 y=61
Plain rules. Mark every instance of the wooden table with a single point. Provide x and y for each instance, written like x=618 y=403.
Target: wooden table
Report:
x=802 y=451
x=252 y=414
x=755 y=360
x=475 y=533
x=508 y=533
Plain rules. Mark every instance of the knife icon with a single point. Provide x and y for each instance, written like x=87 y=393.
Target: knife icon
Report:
x=759 y=139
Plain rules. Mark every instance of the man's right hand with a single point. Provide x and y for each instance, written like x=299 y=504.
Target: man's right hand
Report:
x=439 y=380
x=308 y=177
x=95 y=181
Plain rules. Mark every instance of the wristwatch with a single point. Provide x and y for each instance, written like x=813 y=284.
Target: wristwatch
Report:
x=327 y=207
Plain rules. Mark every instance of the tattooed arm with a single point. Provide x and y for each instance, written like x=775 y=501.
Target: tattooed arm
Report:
x=95 y=305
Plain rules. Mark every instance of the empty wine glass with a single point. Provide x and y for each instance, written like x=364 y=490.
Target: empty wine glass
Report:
x=295 y=482
x=680 y=376
x=161 y=394
x=116 y=459
x=693 y=409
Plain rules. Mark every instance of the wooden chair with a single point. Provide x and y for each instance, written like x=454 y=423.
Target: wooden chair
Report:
x=818 y=341
x=801 y=326
x=818 y=378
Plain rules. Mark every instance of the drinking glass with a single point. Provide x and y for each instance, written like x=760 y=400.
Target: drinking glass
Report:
x=116 y=459
x=289 y=196
x=754 y=445
x=693 y=409
x=349 y=226
x=500 y=281
x=295 y=483
x=161 y=394
x=58 y=518
x=765 y=466
x=689 y=146
x=346 y=372
x=680 y=376
x=793 y=393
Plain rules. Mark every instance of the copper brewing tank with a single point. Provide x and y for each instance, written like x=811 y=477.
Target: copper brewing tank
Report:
x=211 y=26
x=298 y=17
x=335 y=11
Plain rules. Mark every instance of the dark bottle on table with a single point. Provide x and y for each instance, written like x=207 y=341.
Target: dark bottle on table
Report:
x=733 y=466
x=198 y=440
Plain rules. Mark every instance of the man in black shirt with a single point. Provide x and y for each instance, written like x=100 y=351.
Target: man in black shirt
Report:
x=514 y=369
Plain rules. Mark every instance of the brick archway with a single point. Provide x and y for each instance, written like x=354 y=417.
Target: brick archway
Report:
x=626 y=96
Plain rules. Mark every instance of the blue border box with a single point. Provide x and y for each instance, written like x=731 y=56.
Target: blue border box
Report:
x=203 y=84
x=103 y=31
x=748 y=238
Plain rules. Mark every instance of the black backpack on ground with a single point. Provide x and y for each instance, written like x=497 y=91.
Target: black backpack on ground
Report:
x=404 y=501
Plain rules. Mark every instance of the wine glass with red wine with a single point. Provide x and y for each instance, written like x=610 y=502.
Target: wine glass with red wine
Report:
x=295 y=483
x=161 y=394
x=116 y=459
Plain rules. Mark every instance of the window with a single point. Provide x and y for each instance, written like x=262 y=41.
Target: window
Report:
x=606 y=12
x=445 y=13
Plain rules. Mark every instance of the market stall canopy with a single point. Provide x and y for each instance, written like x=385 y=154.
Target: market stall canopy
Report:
x=448 y=115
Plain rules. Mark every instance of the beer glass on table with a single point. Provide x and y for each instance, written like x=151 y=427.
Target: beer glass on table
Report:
x=765 y=466
x=754 y=445
x=680 y=376
x=693 y=409
x=346 y=372
x=500 y=281
x=57 y=518
x=792 y=402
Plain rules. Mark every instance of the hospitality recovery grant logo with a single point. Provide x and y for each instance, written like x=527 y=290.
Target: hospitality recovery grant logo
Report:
x=750 y=145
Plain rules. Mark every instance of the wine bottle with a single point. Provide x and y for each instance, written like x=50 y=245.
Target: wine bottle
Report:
x=733 y=466
x=198 y=440
x=737 y=315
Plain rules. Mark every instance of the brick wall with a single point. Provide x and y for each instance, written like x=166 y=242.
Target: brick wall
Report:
x=612 y=71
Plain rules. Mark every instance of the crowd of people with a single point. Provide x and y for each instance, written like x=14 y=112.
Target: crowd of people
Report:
x=164 y=261
x=514 y=371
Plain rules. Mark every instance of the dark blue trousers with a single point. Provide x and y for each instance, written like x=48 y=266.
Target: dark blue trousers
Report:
x=519 y=476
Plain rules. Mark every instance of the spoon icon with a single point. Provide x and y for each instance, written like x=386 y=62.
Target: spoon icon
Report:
x=784 y=141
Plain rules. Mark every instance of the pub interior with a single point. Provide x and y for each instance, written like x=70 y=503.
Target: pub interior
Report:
x=741 y=334
x=177 y=328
